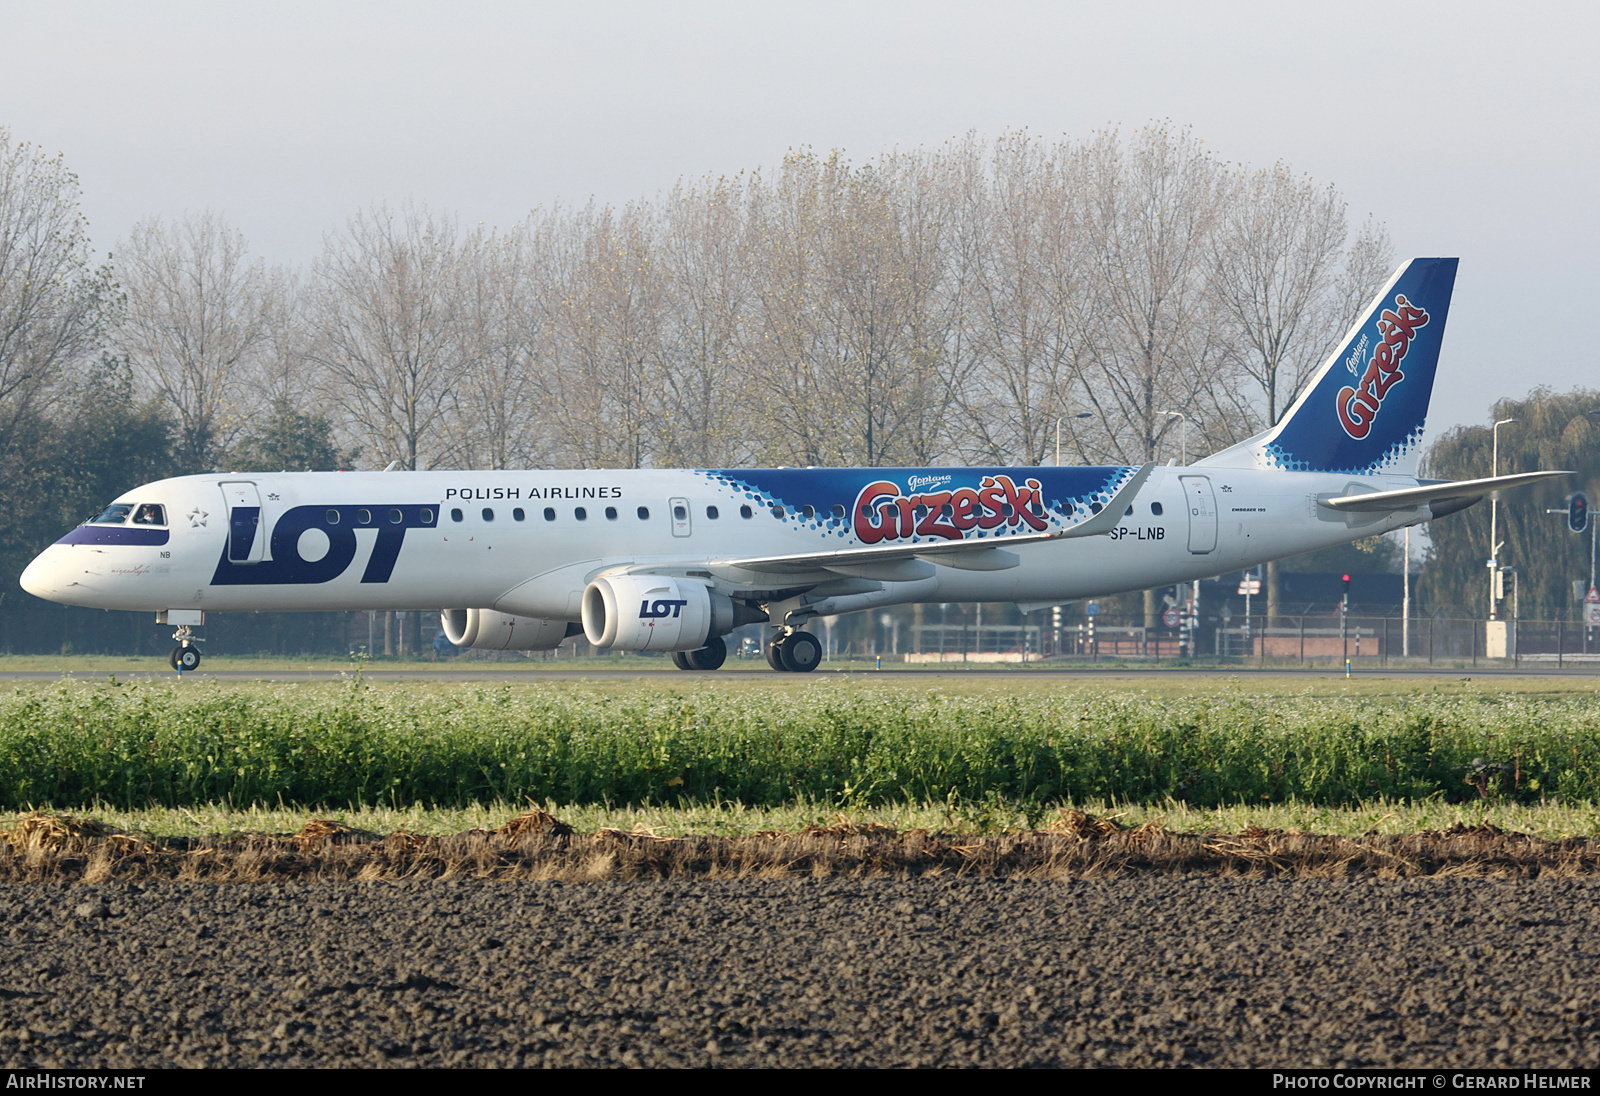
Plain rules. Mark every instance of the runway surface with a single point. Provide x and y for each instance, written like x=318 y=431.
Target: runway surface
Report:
x=1186 y=970
x=664 y=673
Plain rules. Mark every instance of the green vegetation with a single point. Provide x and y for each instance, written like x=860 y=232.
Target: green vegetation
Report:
x=1023 y=749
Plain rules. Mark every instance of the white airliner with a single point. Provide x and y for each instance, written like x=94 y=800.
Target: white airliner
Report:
x=673 y=560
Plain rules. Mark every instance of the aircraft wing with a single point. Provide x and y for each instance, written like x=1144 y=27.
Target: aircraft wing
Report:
x=1409 y=497
x=971 y=555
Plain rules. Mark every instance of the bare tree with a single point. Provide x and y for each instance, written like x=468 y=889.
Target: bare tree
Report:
x=705 y=282
x=388 y=315
x=1022 y=266
x=498 y=413
x=602 y=389
x=51 y=298
x=1275 y=268
x=199 y=321
x=1152 y=210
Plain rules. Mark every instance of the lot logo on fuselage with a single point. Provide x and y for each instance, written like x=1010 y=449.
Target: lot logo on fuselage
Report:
x=884 y=513
x=340 y=524
x=1358 y=406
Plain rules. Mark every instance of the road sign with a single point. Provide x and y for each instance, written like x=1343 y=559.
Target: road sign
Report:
x=1170 y=618
x=1591 y=607
x=1092 y=610
x=1250 y=586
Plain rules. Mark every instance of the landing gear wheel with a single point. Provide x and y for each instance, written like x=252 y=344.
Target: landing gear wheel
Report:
x=680 y=659
x=800 y=652
x=709 y=657
x=185 y=659
x=774 y=659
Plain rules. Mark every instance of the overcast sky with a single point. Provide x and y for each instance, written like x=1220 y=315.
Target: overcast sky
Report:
x=1468 y=129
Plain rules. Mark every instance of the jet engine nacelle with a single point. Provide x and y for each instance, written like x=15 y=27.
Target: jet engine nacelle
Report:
x=487 y=630
x=648 y=613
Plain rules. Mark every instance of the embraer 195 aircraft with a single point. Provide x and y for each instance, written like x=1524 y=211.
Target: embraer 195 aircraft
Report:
x=673 y=560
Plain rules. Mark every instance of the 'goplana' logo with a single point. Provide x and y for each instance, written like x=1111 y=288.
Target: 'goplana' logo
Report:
x=883 y=513
x=1358 y=406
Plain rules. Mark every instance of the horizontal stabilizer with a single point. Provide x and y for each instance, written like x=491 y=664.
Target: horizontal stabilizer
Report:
x=1410 y=497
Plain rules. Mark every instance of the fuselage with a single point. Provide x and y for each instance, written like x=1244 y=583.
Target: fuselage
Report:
x=529 y=542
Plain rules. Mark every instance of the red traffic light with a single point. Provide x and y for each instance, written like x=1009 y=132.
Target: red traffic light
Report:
x=1578 y=512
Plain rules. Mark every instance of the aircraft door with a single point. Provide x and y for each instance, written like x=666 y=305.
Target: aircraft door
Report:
x=680 y=517
x=247 y=538
x=1202 y=506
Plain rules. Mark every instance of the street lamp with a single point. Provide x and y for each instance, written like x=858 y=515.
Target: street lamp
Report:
x=1079 y=415
x=1494 y=514
x=1184 y=428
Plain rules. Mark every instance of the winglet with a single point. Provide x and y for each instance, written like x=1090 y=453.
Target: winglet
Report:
x=1113 y=511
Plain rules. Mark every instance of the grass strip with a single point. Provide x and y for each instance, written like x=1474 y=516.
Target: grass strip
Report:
x=847 y=746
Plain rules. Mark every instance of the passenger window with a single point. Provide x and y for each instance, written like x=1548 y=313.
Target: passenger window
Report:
x=333 y=517
x=518 y=514
x=679 y=513
x=1155 y=508
x=711 y=512
x=778 y=512
x=611 y=513
x=838 y=512
x=426 y=515
x=580 y=513
x=396 y=517
x=549 y=513
x=1129 y=514
x=456 y=514
x=364 y=517
x=488 y=514
x=746 y=512
x=644 y=513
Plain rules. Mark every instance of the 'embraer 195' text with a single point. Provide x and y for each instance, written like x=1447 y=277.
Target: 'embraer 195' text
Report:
x=883 y=513
x=1358 y=406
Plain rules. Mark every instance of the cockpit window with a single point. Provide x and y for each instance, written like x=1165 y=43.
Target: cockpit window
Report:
x=115 y=514
x=150 y=513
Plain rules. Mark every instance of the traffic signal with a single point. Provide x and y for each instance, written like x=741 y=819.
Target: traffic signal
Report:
x=1346 y=585
x=1578 y=512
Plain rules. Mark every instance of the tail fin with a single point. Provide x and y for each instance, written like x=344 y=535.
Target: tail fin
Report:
x=1364 y=410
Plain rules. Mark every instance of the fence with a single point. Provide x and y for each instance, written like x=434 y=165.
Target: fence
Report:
x=1302 y=640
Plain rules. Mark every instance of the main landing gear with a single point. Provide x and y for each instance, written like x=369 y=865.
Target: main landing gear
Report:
x=185 y=656
x=795 y=652
x=709 y=657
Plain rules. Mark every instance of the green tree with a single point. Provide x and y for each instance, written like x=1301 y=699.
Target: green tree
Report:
x=1553 y=430
x=60 y=470
x=289 y=440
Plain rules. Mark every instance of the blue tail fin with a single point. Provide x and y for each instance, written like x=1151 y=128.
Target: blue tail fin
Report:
x=1364 y=410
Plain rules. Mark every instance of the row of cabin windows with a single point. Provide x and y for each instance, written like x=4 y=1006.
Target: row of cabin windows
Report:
x=679 y=513
x=394 y=516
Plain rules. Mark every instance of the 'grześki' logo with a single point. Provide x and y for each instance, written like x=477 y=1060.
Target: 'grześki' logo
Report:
x=883 y=513
x=1358 y=406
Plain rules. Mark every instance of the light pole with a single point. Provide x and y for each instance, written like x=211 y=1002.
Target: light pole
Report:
x=1079 y=415
x=1494 y=515
x=1184 y=434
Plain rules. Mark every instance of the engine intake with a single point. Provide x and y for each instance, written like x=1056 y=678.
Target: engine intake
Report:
x=488 y=630
x=649 y=613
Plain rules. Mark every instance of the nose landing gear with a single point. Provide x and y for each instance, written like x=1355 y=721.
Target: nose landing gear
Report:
x=185 y=656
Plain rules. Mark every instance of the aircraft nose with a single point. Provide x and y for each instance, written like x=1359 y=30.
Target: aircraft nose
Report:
x=41 y=578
